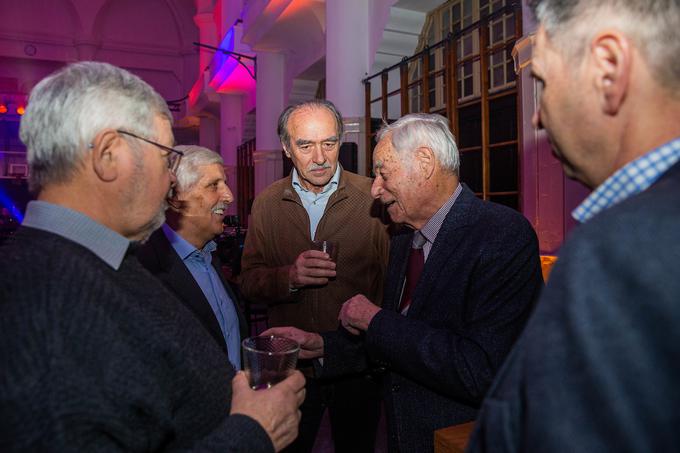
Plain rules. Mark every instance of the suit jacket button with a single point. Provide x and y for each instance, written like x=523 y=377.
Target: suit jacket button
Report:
x=395 y=388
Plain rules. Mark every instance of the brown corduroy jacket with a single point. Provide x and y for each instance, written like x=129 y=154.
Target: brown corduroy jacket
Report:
x=278 y=232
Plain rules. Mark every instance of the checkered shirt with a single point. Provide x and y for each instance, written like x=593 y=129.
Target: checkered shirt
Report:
x=630 y=180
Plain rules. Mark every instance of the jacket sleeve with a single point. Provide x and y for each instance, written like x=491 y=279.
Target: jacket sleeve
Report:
x=259 y=282
x=344 y=354
x=460 y=361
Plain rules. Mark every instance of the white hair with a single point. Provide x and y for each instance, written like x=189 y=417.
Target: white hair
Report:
x=653 y=26
x=412 y=131
x=67 y=109
x=194 y=156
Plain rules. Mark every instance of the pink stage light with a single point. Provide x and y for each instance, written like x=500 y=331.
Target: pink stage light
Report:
x=227 y=75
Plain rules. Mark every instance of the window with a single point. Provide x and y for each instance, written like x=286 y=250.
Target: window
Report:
x=460 y=40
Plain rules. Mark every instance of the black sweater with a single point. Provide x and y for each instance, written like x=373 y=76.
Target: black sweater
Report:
x=97 y=359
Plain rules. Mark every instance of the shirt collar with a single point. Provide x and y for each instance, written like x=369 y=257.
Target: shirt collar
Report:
x=183 y=248
x=75 y=226
x=432 y=227
x=631 y=179
x=333 y=183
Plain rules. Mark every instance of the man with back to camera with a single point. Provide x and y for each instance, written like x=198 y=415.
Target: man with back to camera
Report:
x=597 y=367
x=302 y=287
x=462 y=278
x=180 y=253
x=97 y=354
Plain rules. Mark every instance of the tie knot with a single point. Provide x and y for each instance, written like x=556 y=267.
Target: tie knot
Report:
x=418 y=240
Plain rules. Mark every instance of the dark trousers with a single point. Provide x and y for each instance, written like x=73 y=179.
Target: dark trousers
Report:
x=354 y=409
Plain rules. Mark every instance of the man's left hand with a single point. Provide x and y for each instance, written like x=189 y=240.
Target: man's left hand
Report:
x=356 y=314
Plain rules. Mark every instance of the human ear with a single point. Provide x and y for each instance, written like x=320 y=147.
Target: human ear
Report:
x=611 y=53
x=105 y=155
x=425 y=160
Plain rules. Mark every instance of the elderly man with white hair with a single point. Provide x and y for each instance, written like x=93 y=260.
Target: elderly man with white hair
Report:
x=181 y=255
x=96 y=354
x=462 y=278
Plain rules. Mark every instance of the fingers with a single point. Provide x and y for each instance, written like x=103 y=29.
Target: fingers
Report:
x=350 y=329
x=287 y=332
x=240 y=382
x=295 y=382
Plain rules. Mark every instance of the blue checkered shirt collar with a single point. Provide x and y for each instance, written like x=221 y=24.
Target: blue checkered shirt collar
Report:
x=629 y=180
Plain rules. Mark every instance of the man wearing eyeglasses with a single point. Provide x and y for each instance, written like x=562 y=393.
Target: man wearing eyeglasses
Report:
x=180 y=253
x=303 y=287
x=96 y=353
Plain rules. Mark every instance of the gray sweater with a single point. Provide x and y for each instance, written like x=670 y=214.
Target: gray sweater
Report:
x=97 y=359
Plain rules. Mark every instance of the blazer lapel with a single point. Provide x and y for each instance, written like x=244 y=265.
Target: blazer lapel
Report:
x=464 y=212
x=399 y=249
x=175 y=274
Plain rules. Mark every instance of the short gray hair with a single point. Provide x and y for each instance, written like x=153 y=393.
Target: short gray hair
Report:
x=67 y=109
x=194 y=156
x=652 y=25
x=412 y=131
x=284 y=134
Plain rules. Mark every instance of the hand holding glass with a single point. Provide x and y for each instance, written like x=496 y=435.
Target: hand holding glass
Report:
x=329 y=247
x=268 y=360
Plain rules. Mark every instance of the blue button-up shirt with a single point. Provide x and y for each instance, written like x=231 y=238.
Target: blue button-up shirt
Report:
x=315 y=203
x=633 y=178
x=199 y=264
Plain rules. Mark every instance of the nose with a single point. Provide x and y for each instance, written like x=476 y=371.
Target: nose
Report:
x=319 y=156
x=376 y=187
x=173 y=179
x=227 y=196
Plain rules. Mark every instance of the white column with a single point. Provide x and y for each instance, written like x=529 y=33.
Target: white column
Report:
x=231 y=133
x=270 y=101
x=347 y=63
x=207 y=31
x=208 y=133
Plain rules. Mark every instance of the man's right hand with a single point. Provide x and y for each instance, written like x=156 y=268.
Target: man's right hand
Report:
x=311 y=268
x=311 y=344
x=276 y=408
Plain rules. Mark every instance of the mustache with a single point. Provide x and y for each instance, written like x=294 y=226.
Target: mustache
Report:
x=319 y=167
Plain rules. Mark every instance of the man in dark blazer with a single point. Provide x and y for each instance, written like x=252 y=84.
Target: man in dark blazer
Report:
x=442 y=332
x=598 y=366
x=180 y=253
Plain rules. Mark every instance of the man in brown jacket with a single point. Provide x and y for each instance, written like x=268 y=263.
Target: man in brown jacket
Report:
x=304 y=288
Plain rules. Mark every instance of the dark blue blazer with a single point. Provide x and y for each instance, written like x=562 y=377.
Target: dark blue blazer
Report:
x=598 y=367
x=476 y=291
x=160 y=258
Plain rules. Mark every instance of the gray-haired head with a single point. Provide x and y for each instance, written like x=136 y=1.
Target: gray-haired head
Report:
x=653 y=25
x=194 y=157
x=412 y=131
x=67 y=109
x=284 y=134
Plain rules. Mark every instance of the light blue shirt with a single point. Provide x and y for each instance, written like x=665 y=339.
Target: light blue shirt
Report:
x=315 y=203
x=108 y=245
x=633 y=178
x=199 y=264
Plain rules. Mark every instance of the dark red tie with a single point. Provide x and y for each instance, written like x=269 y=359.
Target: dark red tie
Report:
x=416 y=262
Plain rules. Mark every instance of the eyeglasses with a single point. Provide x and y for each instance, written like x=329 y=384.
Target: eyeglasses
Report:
x=174 y=155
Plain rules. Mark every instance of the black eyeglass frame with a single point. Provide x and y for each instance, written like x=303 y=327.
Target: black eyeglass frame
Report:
x=173 y=158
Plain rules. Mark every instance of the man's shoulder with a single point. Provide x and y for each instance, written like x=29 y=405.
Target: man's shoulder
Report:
x=487 y=214
x=361 y=183
x=29 y=244
x=274 y=191
x=43 y=266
